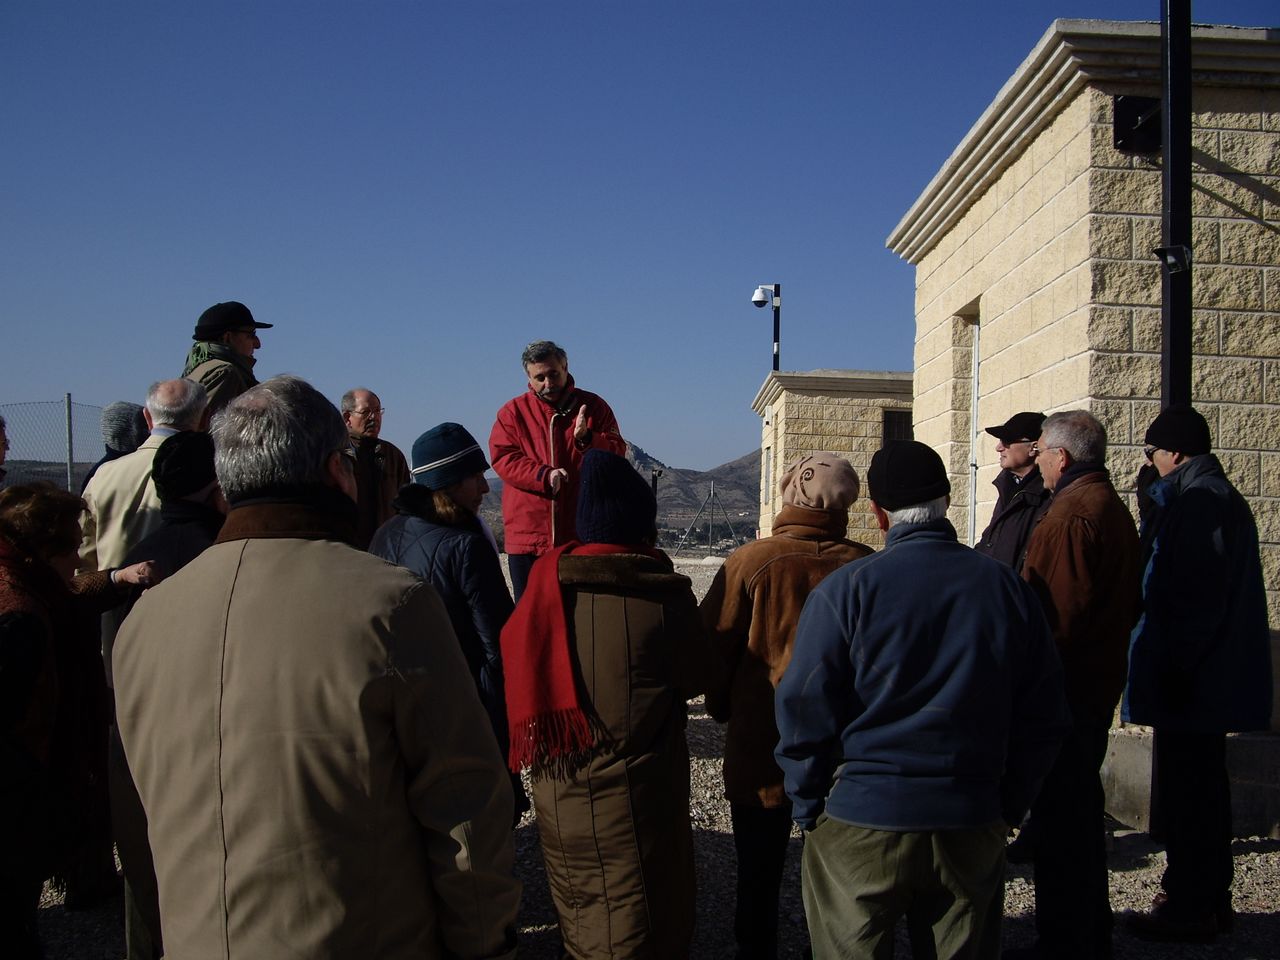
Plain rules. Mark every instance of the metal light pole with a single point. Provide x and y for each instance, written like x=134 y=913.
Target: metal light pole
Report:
x=760 y=298
x=1175 y=254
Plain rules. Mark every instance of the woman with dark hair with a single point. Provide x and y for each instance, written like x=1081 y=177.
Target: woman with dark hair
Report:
x=601 y=654
x=437 y=534
x=54 y=704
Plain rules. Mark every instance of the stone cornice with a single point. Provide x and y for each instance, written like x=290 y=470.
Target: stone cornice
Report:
x=849 y=383
x=1071 y=55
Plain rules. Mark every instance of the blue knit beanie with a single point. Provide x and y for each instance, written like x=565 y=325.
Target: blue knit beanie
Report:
x=615 y=504
x=446 y=454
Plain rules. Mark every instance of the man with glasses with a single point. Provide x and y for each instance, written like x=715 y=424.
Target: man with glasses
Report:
x=381 y=469
x=1199 y=668
x=1082 y=561
x=222 y=358
x=1022 y=498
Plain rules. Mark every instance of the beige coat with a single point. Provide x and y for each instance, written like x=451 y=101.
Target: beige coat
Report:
x=318 y=775
x=123 y=508
x=616 y=835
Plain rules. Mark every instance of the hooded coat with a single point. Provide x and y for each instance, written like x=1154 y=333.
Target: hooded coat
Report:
x=1200 y=657
x=615 y=833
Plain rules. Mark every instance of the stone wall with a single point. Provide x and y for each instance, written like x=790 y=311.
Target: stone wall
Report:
x=799 y=422
x=1051 y=269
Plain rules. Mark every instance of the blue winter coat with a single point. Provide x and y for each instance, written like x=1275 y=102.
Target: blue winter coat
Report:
x=1200 y=656
x=461 y=563
x=924 y=690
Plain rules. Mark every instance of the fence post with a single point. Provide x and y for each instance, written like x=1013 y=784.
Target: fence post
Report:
x=70 y=444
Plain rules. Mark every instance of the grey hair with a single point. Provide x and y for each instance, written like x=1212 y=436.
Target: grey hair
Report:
x=280 y=433
x=925 y=512
x=541 y=350
x=348 y=401
x=1078 y=432
x=177 y=403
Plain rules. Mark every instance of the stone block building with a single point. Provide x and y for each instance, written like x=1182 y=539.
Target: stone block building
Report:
x=1036 y=286
x=847 y=412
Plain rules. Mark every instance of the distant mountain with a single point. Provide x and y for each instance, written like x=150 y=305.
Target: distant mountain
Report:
x=681 y=494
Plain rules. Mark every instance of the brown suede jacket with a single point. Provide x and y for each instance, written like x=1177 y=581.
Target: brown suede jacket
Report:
x=1083 y=562
x=750 y=613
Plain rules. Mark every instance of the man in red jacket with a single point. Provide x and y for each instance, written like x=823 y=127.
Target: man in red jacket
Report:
x=536 y=447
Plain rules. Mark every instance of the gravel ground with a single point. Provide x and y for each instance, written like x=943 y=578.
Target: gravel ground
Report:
x=1136 y=864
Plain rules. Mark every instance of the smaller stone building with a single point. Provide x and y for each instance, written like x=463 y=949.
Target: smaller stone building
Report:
x=847 y=412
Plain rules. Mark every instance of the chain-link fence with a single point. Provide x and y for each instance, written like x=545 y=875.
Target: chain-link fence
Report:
x=54 y=440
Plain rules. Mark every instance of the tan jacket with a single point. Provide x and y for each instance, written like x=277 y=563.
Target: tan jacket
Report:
x=616 y=835
x=318 y=775
x=1083 y=562
x=750 y=613
x=123 y=508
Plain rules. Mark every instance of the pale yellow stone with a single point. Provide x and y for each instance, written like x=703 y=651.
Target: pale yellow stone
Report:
x=1102 y=148
x=1228 y=288
x=1226 y=380
x=1227 y=108
x=1248 y=243
x=1269 y=470
x=1244 y=469
x=1214 y=195
x=1271 y=381
x=1123 y=375
x=1110 y=328
x=1271 y=280
x=1206 y=242
x=1124 y=191
x=1146 y=331
x=1117 y=417
x=1069 y=382
x=1270 y=554
x=1267 y=514
x=1251 y=334
x=1256 y=425
x=1110 y=236
x=1146 y=237
x=1126 y=282
x=1249 y=152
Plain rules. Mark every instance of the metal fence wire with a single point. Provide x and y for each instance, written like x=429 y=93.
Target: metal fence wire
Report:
x=54 y=440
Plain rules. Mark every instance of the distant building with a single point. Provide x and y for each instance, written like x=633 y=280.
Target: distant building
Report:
x=847 y=412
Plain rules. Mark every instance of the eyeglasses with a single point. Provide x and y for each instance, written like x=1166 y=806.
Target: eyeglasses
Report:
x=371 y=412
x=1149 y=452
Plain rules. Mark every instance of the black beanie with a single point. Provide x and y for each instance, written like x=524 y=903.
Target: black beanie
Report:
x=444 y=455
x=183 y=465
x=905 y=473
x=1179 y=429
x=615 y=504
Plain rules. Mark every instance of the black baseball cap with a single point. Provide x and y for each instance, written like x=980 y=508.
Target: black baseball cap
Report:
x=1019 y=428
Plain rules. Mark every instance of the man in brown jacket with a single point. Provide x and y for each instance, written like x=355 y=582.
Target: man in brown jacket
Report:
x=1082 y=561
x=381 y=469
x=750 y=613
x=318 y=775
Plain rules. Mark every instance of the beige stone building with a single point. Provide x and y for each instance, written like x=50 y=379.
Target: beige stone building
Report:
x=848 y=412
x=1036 y=288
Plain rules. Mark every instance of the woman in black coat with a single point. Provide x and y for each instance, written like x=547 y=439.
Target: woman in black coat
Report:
x=437 y=534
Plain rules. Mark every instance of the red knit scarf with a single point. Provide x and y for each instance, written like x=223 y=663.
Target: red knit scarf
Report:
x=549 y=728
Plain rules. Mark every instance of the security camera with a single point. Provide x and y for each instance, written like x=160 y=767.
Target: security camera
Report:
x=761 y=296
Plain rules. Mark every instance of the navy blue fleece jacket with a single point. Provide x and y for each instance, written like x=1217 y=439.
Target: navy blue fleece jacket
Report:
x=924 y=691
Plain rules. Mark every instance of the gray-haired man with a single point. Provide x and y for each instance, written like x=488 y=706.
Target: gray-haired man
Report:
x=922 y=706
x=310 y=751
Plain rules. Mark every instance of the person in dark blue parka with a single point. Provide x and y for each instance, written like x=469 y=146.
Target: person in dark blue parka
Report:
x=438 y=535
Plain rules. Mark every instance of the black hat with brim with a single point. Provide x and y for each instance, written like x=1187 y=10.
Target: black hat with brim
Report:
x=223 y=317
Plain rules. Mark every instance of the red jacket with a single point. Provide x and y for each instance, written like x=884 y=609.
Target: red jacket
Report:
x=531 y=438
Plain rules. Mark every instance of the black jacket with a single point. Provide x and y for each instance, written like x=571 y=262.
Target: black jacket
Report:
x=461 y=563
x=186 y=530
x=1018 y=509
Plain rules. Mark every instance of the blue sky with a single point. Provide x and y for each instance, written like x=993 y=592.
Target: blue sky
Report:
x=412 y=191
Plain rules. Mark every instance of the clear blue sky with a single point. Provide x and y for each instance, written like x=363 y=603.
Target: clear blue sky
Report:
x=411 y=191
